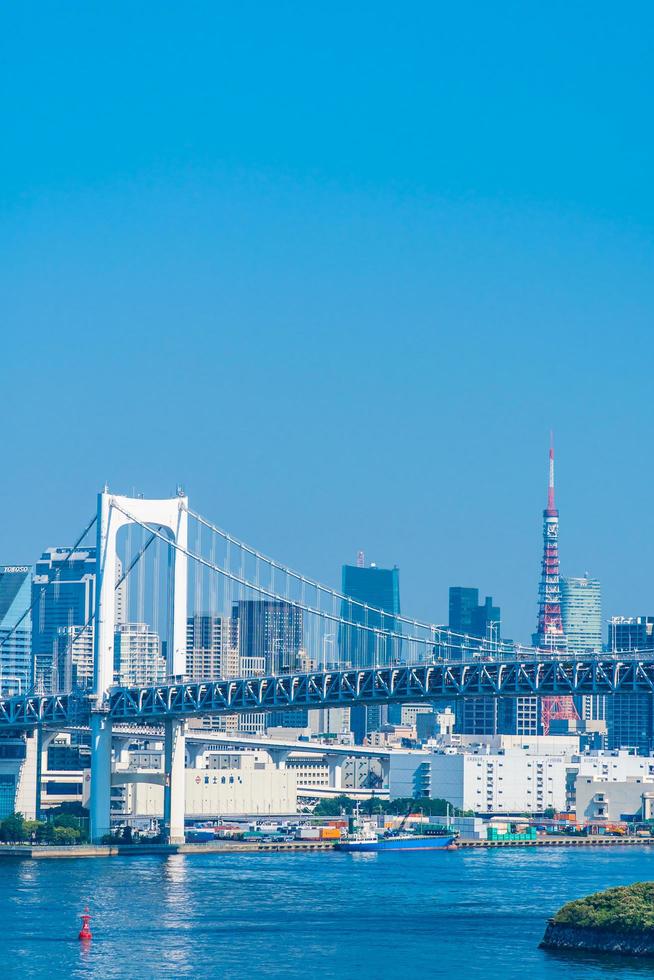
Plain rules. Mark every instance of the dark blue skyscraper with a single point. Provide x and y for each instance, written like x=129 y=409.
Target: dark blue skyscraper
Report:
x=470 y=618
x=365 y=644
x=475 y=716
x=630 y=717
x=373 y=638
x=270 y=634
x=15 y=631
x=63 y=590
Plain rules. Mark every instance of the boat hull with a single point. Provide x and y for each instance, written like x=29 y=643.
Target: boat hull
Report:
x=417 y=843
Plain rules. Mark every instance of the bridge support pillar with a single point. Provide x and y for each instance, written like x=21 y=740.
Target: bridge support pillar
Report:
x=386 y=771
x=335 y=765
x=100 y=775
x=196 y=752
x=175 y=784
x=279 y=757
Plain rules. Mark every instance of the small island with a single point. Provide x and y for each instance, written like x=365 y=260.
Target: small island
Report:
x=618 y=920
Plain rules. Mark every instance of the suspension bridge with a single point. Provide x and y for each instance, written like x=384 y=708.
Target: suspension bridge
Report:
x=280 y=634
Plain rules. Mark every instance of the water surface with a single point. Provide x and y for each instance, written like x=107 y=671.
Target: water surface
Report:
x=468 y=913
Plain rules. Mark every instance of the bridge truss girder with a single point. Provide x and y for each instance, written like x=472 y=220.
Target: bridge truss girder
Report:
x=374 y=685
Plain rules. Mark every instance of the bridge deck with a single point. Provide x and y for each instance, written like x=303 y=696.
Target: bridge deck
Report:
x=606 y=675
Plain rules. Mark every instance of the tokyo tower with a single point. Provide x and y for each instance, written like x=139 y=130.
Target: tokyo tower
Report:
x=550 y=636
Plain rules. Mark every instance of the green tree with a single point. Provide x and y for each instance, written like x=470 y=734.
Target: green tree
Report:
x=12 y=828
x=34 y=830
x=334 y=807
x=430 y=808
x=66 y=820
x=65 y=835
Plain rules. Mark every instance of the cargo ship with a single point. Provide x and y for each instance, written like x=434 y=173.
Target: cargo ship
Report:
x=397 y=842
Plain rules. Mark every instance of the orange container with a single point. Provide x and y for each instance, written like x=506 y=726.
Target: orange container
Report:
x=330 y=833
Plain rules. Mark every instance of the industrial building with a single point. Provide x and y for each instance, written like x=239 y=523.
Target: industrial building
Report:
x=512 y=780
x=223 y=784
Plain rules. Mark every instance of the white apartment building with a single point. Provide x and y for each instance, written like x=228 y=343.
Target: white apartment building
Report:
x=137 y=655
x=73 y=658
x=204 y=647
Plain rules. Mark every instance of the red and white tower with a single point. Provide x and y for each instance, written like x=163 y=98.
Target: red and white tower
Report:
x=550 y=636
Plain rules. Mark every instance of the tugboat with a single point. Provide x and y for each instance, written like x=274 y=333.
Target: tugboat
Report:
x=366 y=838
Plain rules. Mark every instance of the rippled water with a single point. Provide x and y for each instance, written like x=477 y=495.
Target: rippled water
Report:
x=312 y=915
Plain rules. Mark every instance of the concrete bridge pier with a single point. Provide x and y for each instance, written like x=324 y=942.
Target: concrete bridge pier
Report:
x=335 y=768
x=100 y=775
x=386 y=771
x=174 y=782
x=195 y=754
x=279 y=756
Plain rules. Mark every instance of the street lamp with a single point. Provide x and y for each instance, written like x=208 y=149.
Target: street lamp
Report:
x=327 y=638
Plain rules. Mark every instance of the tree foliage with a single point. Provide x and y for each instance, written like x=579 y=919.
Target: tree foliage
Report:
x=338 y=805
x=12 y=828
x=624 y=909
x=62 y=829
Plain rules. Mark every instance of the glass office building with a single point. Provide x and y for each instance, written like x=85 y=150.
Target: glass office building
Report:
x=270 y=634
x=16 y=668
x=366 y=642
x=63 y=591
x=630 y=717
x=474 y=716
x=374 y=589
x=581 y=612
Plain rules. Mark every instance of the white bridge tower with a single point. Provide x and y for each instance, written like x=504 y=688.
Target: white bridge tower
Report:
x=115 y=512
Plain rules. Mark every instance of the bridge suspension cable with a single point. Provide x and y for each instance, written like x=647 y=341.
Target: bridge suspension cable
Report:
x=433 y=636
x=123 y=578
x=44 y=588
x=453 y=638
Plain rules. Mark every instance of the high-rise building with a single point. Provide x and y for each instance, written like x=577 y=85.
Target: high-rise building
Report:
x=16 y=666
x=73 y=658
x=63 y=592
x=631 y=633
x=204 y=646
x=138 y=658
x=630 y=717
x=270 y=635
x=469 y=618
x=581 y=613
x=121 y=607
x=373 y=589
x=463 y=606
x=474 y=716
x=366 y=642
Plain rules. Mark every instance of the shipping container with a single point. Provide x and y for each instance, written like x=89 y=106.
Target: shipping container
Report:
x=330 y=833
x=309 y=833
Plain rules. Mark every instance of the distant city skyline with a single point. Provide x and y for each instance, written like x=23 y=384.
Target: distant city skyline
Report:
x=372 y=293
x=362 y=560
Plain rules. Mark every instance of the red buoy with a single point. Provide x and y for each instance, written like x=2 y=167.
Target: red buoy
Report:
x=85 y=932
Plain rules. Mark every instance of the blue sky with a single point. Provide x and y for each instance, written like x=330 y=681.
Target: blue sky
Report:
x=338 y=269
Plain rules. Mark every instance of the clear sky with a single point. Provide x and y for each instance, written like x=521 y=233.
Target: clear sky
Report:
x=337 y=269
